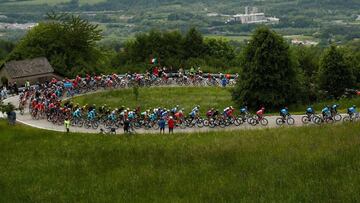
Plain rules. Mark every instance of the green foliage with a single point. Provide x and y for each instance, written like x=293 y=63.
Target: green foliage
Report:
x=176 y=50
x=335 y=74
x=6 y=108
x=307 y=59
x=269 y=77
x=194 y=44
x=69 y=43
x=5 y=48
x=4 y=80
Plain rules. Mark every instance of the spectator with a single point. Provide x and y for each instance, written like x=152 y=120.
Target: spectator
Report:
x=4 y=92
x=162 y=125
x=15 y=88
x=67 y=125
x=27 y=85
x=127 y=126
x=171 y=124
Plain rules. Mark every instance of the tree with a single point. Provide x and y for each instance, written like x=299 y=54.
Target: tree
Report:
x=194 y=44
x=335 y=74
x=269 y=77
x=67 y=41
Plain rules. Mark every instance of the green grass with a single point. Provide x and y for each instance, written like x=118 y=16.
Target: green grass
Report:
x=344 y=105
x=230 y=38
x=188 y=97
x=169 y=97
x=309 y=164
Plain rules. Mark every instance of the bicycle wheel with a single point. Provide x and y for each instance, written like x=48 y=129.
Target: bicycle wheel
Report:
x=206 y=123
x=346 y=119
x=317 y=120
x=337 y=117
x=305 y=119
x=264 y=122
x=279 y=121
x=290 y=121
x=200 y=123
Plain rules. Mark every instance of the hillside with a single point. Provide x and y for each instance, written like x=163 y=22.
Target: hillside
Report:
x=334 y=19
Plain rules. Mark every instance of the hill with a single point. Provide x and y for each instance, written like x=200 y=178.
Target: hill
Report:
x=293 y=164
x=335 y=19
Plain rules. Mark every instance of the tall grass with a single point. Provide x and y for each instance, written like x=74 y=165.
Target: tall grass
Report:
x=309 y=164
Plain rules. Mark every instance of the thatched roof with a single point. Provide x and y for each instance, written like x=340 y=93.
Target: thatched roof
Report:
x=28 y=67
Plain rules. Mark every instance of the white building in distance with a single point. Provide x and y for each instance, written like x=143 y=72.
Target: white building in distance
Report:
x=252 y=16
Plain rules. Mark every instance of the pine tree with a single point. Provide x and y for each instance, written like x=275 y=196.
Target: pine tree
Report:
x=335 y=74
x=268 y=76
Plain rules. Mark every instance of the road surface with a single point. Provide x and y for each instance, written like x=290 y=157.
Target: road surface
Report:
x=44 y=124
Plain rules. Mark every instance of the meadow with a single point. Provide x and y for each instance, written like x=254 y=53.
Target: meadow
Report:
x=188 y=97
x=308 y=164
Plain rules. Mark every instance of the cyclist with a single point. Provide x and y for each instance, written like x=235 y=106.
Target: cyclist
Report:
x=284 y=112
x=196 y=109
x=244 y=112
x=131 y=115
x=334 y=109
x=260 y=113
x=193 y=114
x=77 y=113
x=210 y=113
x=112 y=116
x=179 y=115
x=352 y=111
x=228 y=112
x=326 y=112
x=175 y=110
x=91 y=114
x=310 y=111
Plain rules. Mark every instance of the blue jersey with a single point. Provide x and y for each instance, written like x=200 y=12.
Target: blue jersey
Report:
x=112 y=117
x=352 y=110
x=309 y=110
x=174 y=110
x=284 y=112
x=131 y=115
x=164 y=114
x=152 y=117
x=325 y=110
x=77 y=113
x=243 y=110
x=91 y=115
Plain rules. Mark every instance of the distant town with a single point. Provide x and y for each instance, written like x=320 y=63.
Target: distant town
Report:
x=252 y=16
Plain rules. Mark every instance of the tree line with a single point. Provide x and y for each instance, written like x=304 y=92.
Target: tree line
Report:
x=272 y=73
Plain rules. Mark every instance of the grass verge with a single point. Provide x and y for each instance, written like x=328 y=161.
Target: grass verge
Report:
x=317 y=164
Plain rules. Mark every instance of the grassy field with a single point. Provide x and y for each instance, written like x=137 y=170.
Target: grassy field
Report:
x=188 y=97
x=310 y=164
x=230 y=38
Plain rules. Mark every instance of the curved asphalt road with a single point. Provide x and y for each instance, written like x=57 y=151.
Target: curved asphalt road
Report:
x=44 y=124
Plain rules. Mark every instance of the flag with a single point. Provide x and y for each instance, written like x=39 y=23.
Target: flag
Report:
x=154 y=61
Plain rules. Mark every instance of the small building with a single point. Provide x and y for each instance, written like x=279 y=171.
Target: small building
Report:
x=252 y=16
x=32 y=70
